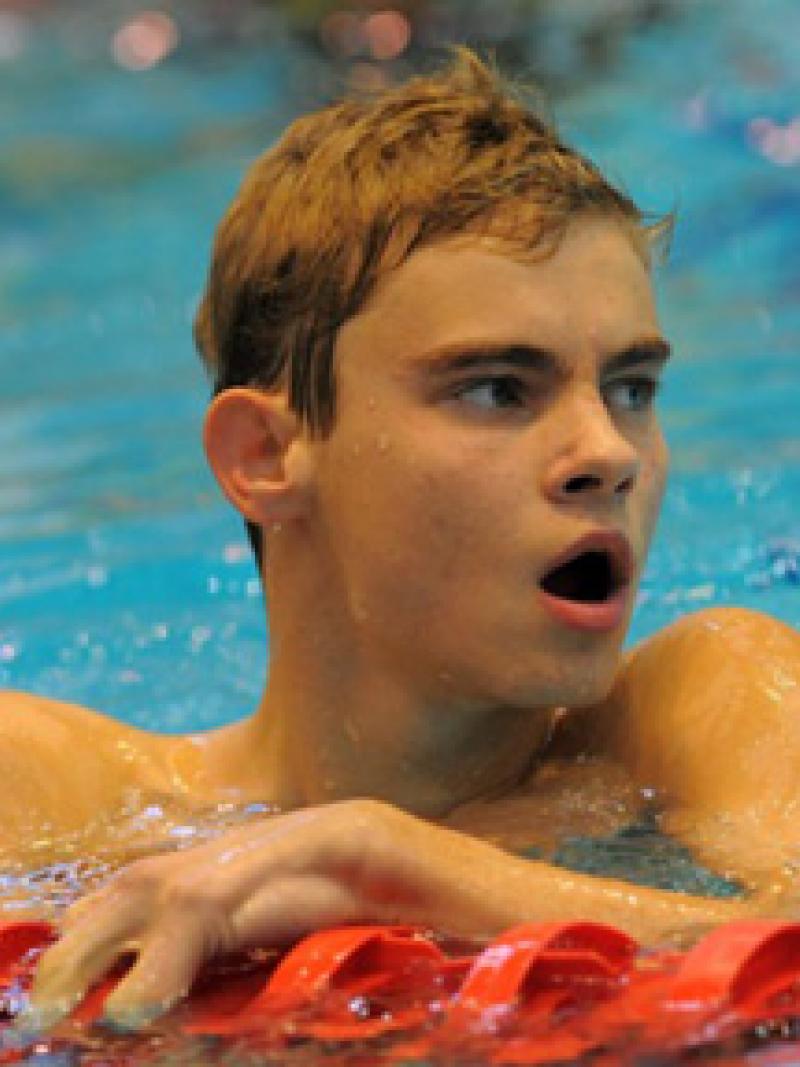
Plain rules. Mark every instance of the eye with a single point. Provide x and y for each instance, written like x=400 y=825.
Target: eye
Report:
x=637 y=394
x=496 y=391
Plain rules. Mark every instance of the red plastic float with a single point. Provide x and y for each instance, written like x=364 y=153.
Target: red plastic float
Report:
x=540 y=993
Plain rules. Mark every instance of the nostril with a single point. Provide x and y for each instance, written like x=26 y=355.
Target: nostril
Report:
x=577 y=485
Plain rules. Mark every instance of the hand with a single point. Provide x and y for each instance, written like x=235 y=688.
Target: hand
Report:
x=268 y=884
x=264 y=884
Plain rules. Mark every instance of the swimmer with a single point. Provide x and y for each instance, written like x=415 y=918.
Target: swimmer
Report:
x=436 y=354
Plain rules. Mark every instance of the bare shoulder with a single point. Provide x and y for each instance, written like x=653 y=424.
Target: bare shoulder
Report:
x=707 y=713
x=25 y=715
x=62 y=765
x=682 y=682
x=35 y=726
x=713 y=659
x=742 y=631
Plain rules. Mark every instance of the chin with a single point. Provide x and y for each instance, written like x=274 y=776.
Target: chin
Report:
x=576 y=683
x=593 y=688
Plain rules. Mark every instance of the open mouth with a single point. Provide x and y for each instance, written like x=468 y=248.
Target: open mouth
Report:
x=589 y=578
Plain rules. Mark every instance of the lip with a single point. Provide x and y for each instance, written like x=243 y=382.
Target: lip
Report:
x=596 y=618
x=587 y=615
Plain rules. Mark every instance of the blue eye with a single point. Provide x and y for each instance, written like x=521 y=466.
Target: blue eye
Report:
x=641 y=392
x=497 y=391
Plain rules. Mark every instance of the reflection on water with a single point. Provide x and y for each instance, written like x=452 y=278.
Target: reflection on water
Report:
x=52 y=871
x=641 y=853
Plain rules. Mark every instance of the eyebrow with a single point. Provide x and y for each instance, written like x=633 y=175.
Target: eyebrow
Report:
x=472 y=355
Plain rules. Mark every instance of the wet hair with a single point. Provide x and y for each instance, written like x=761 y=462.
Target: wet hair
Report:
x=349 y=192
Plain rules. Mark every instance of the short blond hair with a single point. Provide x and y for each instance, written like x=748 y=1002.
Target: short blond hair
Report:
x=350 y=191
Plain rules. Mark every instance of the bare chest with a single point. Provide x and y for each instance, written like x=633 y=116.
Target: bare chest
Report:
x=593 y=798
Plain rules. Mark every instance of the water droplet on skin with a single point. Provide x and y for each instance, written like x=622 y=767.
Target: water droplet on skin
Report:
x=371 y=403
x=383 y=442
x=352 y=730
x=183 y=831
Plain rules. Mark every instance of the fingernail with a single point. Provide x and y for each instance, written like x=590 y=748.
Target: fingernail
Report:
x=127 y=1020
x=36 y=1019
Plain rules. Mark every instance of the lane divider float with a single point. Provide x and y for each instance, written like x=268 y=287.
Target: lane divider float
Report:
x=540 y=993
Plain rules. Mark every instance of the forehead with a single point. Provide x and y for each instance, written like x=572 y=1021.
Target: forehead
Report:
x=593 y=294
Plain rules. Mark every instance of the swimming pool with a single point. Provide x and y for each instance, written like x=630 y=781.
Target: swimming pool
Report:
x=125 y=581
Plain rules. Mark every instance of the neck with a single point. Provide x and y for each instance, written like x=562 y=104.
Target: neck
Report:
x=372 y=739
x=330 y=726
x=340 y=718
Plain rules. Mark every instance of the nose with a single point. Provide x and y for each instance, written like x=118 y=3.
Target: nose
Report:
x=595 y=460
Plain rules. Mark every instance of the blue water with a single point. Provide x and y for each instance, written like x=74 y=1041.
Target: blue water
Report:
x=125 y=583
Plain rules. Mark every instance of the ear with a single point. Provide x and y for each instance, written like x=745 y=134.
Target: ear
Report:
x=258 y=453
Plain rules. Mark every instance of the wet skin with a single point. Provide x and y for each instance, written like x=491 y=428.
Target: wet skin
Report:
x=485 y=420
x=415 y=534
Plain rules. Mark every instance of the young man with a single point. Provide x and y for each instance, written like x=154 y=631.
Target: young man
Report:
x=436 y=351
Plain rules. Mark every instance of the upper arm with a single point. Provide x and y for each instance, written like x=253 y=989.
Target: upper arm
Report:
x=708 y=714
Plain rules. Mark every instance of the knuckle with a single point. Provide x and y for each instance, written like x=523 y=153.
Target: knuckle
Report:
x=77 y=912
x=363 y=829
x=363 y=812
x=192 y=894
x=207 y=909
x=136 y=876
x=160 y=888
x=350 y=821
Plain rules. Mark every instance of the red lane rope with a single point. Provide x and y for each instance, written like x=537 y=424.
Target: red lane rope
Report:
x=539 y=993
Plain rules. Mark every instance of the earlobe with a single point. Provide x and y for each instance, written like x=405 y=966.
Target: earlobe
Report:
x=256 y=450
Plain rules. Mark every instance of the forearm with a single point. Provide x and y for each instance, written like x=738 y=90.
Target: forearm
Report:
x=358 y=861
x=466 y=887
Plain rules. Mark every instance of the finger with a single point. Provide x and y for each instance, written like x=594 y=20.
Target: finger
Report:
x=81 y=957
x=283 y=911
x=169 y=959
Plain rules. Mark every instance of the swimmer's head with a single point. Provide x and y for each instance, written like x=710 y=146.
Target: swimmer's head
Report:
x=349 y=192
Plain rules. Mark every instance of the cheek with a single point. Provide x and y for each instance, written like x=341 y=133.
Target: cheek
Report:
x=433 y=512
x=378 y=506
x=431 y=516
x=654 y=474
